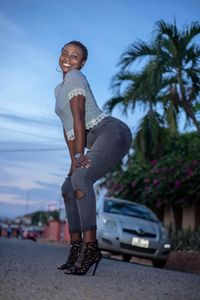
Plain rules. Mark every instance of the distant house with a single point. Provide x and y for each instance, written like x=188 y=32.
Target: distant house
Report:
x=25 y=219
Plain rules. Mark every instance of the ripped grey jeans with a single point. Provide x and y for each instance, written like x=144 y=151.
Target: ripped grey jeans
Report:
x=108 y=142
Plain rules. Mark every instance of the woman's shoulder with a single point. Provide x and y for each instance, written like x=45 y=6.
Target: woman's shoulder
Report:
x=75 y=74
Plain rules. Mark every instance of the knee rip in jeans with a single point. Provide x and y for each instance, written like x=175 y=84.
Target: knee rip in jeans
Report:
x=79 y=194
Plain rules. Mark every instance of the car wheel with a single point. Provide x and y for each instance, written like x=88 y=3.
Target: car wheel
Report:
x=126 y=257
x=159 y=263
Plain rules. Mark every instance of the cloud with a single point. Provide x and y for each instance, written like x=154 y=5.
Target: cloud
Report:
x=39 y=174
x=28 y=73
x=14 y=201
x=33 y=195
x=47 y=185
x=27 y=168
x=33 y=120
x=8 y=26
x=30 y=128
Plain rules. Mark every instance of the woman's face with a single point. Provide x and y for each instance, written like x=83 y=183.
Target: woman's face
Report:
x=71 y=58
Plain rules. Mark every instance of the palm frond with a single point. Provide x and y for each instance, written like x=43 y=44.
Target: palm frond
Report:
x=150 y=138
x=119 y=79
x=170 y=30
x=193 y=91
x=171 y=115
x=169 y=46
x=112 y=103
x=135 y=51
x=189 y=32
x=192 y=54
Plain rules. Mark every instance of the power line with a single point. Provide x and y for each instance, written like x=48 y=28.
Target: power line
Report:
x=27 y=133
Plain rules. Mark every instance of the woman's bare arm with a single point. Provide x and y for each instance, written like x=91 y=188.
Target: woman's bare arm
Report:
x=77 y=104
x=78 y=111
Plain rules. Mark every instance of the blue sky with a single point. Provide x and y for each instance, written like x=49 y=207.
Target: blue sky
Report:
x=32 y=34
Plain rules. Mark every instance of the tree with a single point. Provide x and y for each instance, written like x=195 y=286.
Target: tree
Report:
x=43 y=216
x=144 y=91
x=167 y=83
x=180 y=58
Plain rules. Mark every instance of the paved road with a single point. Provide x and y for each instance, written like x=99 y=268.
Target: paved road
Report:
x=28 y=271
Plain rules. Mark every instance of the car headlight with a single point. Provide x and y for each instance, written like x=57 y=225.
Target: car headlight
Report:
x=109 y=222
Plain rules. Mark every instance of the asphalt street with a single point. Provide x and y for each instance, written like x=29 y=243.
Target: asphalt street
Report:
x=28 y=270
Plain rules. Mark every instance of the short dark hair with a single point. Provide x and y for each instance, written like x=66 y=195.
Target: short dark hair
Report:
x=80 y=45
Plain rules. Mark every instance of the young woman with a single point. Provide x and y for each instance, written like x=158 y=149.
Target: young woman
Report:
x=107 y=139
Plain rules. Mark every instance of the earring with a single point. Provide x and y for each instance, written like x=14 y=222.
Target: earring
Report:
x=58 y=70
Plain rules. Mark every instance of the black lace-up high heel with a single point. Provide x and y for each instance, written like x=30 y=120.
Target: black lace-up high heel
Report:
x=89 y=255
x=75 y=248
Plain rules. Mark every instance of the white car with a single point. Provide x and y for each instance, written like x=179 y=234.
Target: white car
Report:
x=131 y=229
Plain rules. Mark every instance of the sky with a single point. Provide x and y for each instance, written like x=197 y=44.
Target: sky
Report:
x=34 y=159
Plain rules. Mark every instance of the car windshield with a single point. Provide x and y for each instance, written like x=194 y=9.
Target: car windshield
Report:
x=127 y=209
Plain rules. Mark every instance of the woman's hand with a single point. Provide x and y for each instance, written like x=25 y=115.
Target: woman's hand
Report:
x=83 y=162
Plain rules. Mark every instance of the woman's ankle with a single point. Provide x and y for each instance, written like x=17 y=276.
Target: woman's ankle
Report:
x=75 y=236
x=89 y=236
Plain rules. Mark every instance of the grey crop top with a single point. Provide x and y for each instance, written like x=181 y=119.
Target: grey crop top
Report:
x=75 y=83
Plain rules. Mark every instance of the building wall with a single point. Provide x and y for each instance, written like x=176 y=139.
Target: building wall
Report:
x=185 y=218
x=52 y=231
x=188 y=217
x=57 y=231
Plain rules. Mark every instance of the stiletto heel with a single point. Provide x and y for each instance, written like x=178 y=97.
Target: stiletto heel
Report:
x=75 y=248
x=95 y=267
x=90 y=254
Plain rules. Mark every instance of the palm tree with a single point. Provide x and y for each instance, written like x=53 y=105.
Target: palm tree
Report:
x=178 y=62
x=142 y=89
x=169 y=79
x=181 y=58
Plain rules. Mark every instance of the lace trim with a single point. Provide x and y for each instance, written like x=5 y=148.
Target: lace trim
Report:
x=90 y=124
x=95 y=121
x=76 y=92
x=70 y=135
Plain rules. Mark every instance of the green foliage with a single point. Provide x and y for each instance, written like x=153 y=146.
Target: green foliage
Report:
x=43 y=217
x=185 y=239
x=196 y=109
x=150 y=138
x=173 y=179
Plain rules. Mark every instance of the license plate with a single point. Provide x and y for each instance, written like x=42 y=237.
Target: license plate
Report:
x=138 y=242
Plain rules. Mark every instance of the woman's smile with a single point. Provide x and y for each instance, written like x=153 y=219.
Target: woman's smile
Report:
x=67 y=65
